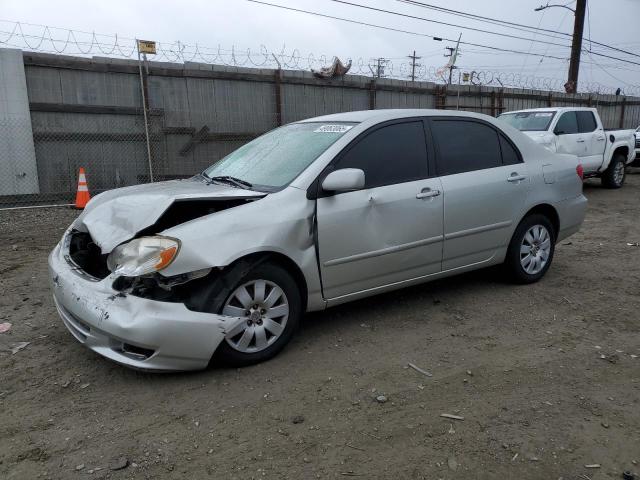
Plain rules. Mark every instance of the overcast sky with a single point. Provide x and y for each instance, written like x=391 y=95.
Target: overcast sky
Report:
x=248 y=25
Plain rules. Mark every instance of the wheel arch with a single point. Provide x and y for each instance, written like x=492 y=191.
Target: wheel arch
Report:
x=548 y=211
x=621 y=150
x=282 y=260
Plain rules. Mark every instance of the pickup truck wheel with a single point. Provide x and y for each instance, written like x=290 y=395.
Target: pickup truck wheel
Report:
x=531 y=249
x=267 y=298
x=613 y=176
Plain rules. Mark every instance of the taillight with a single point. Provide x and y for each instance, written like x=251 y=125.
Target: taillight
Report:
x=580 y=171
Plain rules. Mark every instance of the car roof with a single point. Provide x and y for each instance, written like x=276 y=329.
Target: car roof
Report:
x=551 y=109
x=391 y=114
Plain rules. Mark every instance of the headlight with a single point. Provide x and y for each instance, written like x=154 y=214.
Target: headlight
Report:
x=143 y=255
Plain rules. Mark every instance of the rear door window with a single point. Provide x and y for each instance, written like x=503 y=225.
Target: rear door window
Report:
x=567 y=124
x=465 y=146
x=586 y=121
x=391 y=154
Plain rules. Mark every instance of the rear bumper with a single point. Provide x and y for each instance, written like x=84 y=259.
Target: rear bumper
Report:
x=571 y=213
x=133 y=331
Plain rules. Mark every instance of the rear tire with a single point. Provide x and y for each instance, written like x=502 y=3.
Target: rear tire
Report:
x=270 y=295
x=531 y=249
x=614 y=175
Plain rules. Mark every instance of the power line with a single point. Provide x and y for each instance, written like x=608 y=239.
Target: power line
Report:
x=483 y=31
x=414 y=17
x=614 y=77
x=494 y=33
x=398 y=30
x=495 y=21
x=373 y=25
x=524 y=60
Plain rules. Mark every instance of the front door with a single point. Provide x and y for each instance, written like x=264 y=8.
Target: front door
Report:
x=391 y=230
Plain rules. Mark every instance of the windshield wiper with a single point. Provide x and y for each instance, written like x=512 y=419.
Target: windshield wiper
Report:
x=238 y=182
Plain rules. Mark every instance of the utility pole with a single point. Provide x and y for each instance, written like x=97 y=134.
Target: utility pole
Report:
x=576 y=45
x=451 y=67
x=414 y=65
x=454 y=53
x=377 y=69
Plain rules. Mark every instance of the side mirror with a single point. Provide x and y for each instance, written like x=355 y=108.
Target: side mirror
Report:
x=558 y=132
x=344 y=180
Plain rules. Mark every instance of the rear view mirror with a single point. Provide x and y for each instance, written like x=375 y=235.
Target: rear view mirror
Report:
x=344 y=180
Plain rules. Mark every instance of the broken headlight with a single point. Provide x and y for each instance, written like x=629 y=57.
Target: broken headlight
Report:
x=143 y=256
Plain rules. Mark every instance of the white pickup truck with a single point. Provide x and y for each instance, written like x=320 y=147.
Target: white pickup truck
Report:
x=578 y=131
x=636 y=162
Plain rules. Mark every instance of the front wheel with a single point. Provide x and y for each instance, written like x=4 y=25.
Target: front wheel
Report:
x=267 y=298
x=613 y=176
x=531 y=249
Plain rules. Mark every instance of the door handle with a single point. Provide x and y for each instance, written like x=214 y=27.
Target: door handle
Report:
x=516 y=178
x=428 y=193
x=600 y=139
x=580 y=140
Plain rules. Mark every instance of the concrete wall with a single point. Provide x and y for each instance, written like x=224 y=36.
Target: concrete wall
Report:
x=18 y=172
x=88 y=112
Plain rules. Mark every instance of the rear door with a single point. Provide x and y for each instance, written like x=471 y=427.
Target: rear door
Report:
x=594 y=140
x=569 y=138
x=391 y=230
x=485 y=185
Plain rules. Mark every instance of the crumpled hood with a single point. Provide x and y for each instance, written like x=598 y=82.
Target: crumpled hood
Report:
x=546 y=139
x=117 y=215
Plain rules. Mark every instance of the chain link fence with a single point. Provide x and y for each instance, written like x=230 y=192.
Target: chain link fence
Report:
x=42 y=166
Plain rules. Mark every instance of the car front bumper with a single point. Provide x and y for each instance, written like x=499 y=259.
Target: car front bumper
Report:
x=133 y=331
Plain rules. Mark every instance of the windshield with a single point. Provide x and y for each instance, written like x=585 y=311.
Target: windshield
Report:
x=273 y=160
x=528 y=121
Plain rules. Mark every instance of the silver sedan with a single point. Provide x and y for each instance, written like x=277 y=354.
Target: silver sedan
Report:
x=171 y=275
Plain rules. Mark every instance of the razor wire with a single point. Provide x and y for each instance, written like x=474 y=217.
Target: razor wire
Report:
x=42 y=38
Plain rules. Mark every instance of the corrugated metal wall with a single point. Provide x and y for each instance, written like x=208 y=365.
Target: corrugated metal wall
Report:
x=88 y=112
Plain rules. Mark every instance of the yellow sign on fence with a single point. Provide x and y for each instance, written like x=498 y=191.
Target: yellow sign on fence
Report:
x=147 y=46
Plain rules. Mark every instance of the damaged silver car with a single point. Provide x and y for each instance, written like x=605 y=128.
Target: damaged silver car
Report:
x=171 y=275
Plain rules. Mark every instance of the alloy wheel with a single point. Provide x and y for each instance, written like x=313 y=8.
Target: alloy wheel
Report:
x=618 y=173
x=535 y=249
x=264 y=307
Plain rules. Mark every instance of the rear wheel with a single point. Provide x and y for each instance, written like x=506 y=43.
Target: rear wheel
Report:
x=267 y=298
x=613 y=176
x=531 y=249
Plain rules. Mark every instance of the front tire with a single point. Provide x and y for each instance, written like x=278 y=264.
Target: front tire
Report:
x=531 y=249
x=614 y=175
x=268 y=299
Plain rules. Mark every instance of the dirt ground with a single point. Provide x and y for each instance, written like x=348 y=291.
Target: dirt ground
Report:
x=546 y=376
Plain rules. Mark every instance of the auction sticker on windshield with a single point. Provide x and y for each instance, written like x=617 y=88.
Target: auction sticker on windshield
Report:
x=333 y=129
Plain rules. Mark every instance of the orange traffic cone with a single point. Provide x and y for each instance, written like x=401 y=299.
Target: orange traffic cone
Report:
x=82 y=197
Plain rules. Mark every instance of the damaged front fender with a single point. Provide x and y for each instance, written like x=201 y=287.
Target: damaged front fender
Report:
x=282 y=223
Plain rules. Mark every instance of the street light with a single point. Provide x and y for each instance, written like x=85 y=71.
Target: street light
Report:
x=576 y=45
x=542 y=7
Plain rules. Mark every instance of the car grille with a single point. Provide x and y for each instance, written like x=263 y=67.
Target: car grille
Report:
x=637 y=142
x=86 y=255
